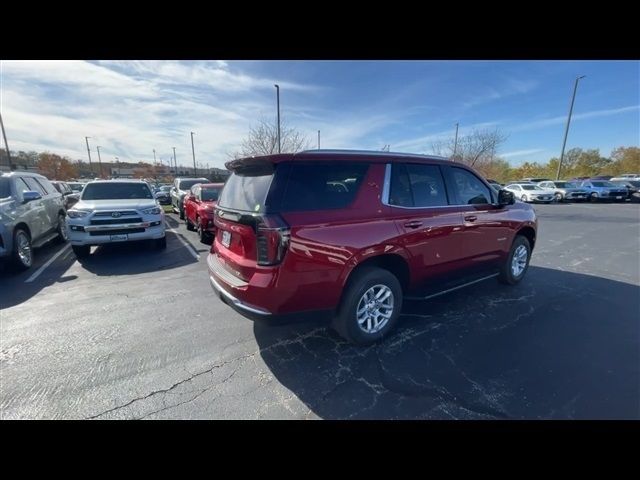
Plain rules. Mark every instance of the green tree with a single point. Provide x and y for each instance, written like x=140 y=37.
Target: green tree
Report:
x=625 y=160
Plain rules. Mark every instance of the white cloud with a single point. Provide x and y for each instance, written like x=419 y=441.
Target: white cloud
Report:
x=562 y=119
x=520 y=153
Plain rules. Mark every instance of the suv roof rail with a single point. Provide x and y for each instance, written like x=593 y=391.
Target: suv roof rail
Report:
x=371 y=152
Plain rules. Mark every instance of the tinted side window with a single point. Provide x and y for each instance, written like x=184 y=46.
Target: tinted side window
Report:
x=427 y=185
x=322 y=186
x=469 y=189
x=400 y=189
x=46 y=185
x=34 y=185
x=416 y=185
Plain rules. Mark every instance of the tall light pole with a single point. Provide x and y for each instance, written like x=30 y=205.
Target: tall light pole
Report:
x=154 y=157
x=99 y=160
x=566 y=130
x=193 y=151
x=89 y=152
x=175 y=162
x=278 y=101
x=6 y=145
x=318 y=139
x=455 y=144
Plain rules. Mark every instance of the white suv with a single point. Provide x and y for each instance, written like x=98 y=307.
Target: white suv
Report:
x=115 y=211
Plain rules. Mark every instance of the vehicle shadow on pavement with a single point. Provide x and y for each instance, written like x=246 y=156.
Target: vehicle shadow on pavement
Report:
x=13 y=288
x=136 y=257
x=560 y=345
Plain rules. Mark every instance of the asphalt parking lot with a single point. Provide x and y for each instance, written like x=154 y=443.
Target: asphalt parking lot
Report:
x=134 y=333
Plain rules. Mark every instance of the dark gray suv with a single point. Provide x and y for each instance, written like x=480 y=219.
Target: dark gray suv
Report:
x=31 y=214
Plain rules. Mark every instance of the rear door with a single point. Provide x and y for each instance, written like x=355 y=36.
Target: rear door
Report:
x=486 y=229
x=34 y=212
x=430 y=228
x=52 y=201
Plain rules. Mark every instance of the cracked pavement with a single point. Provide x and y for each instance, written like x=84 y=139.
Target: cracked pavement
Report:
x=133 y=334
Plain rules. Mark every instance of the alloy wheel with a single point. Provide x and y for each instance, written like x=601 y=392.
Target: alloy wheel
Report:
x=375 y=308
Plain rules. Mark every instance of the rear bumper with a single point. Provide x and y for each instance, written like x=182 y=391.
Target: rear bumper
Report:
x=250 y=311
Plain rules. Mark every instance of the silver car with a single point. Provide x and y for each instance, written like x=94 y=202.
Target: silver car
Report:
x=564 y=190
x=529 y=192
x=115 y=211
x=31 y=214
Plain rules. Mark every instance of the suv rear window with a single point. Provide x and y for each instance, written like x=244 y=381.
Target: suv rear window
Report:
x=247 y=188
x=293 y=186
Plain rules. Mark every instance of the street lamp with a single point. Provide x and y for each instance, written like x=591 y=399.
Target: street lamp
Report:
x=118 y=166
x=86 y=139
x=455 y=144
x=175 y=162
x=566 y=130
x=99 y=160
x=193 y=151
x=278 y=101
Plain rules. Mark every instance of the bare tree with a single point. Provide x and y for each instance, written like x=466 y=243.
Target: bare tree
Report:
x=263 y=140
x=477 y=148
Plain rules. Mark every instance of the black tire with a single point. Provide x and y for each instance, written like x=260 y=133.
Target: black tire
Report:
x=506 y=275
x=181 y=210
x=559 y=198
x=24 y=261
x=204 y=236
x=62 y=229
x=593 y=198
x=81 y=251
x=523 y=198
x=190 y=226
x=161 y=243
x=362 y=280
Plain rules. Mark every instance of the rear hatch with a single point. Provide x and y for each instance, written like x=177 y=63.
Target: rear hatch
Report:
x=249 y=236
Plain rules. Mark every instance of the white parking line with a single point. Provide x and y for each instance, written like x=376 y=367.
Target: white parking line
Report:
x=37 y=273
x=187 y=246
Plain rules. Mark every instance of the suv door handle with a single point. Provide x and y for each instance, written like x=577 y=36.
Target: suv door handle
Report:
x=414 y=224
x=470 y=218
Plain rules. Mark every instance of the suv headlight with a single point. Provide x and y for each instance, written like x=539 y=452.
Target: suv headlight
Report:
x=152 y=211
x=78 y=213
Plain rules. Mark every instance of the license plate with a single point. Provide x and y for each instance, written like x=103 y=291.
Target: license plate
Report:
x=618 y=198
x=119 y=238
x=226 y=239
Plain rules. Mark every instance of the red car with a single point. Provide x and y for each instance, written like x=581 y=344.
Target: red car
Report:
x=198 y=208
x=349 y=235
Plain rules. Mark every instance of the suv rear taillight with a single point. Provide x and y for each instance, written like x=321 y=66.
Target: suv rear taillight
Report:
x=272 y=239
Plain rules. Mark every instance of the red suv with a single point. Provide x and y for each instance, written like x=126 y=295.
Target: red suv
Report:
x=350 y=234
x=198 y=208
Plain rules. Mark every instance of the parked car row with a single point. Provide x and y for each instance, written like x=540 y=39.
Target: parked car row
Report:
x=547 y=191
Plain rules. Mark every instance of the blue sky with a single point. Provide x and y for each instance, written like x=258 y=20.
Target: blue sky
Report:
x=131 y=108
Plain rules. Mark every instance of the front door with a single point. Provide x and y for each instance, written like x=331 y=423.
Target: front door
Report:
x=431 y=230
x=486 y=228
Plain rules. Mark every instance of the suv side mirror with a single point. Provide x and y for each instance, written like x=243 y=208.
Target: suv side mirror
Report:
x=505 y=197
x=30 y=196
